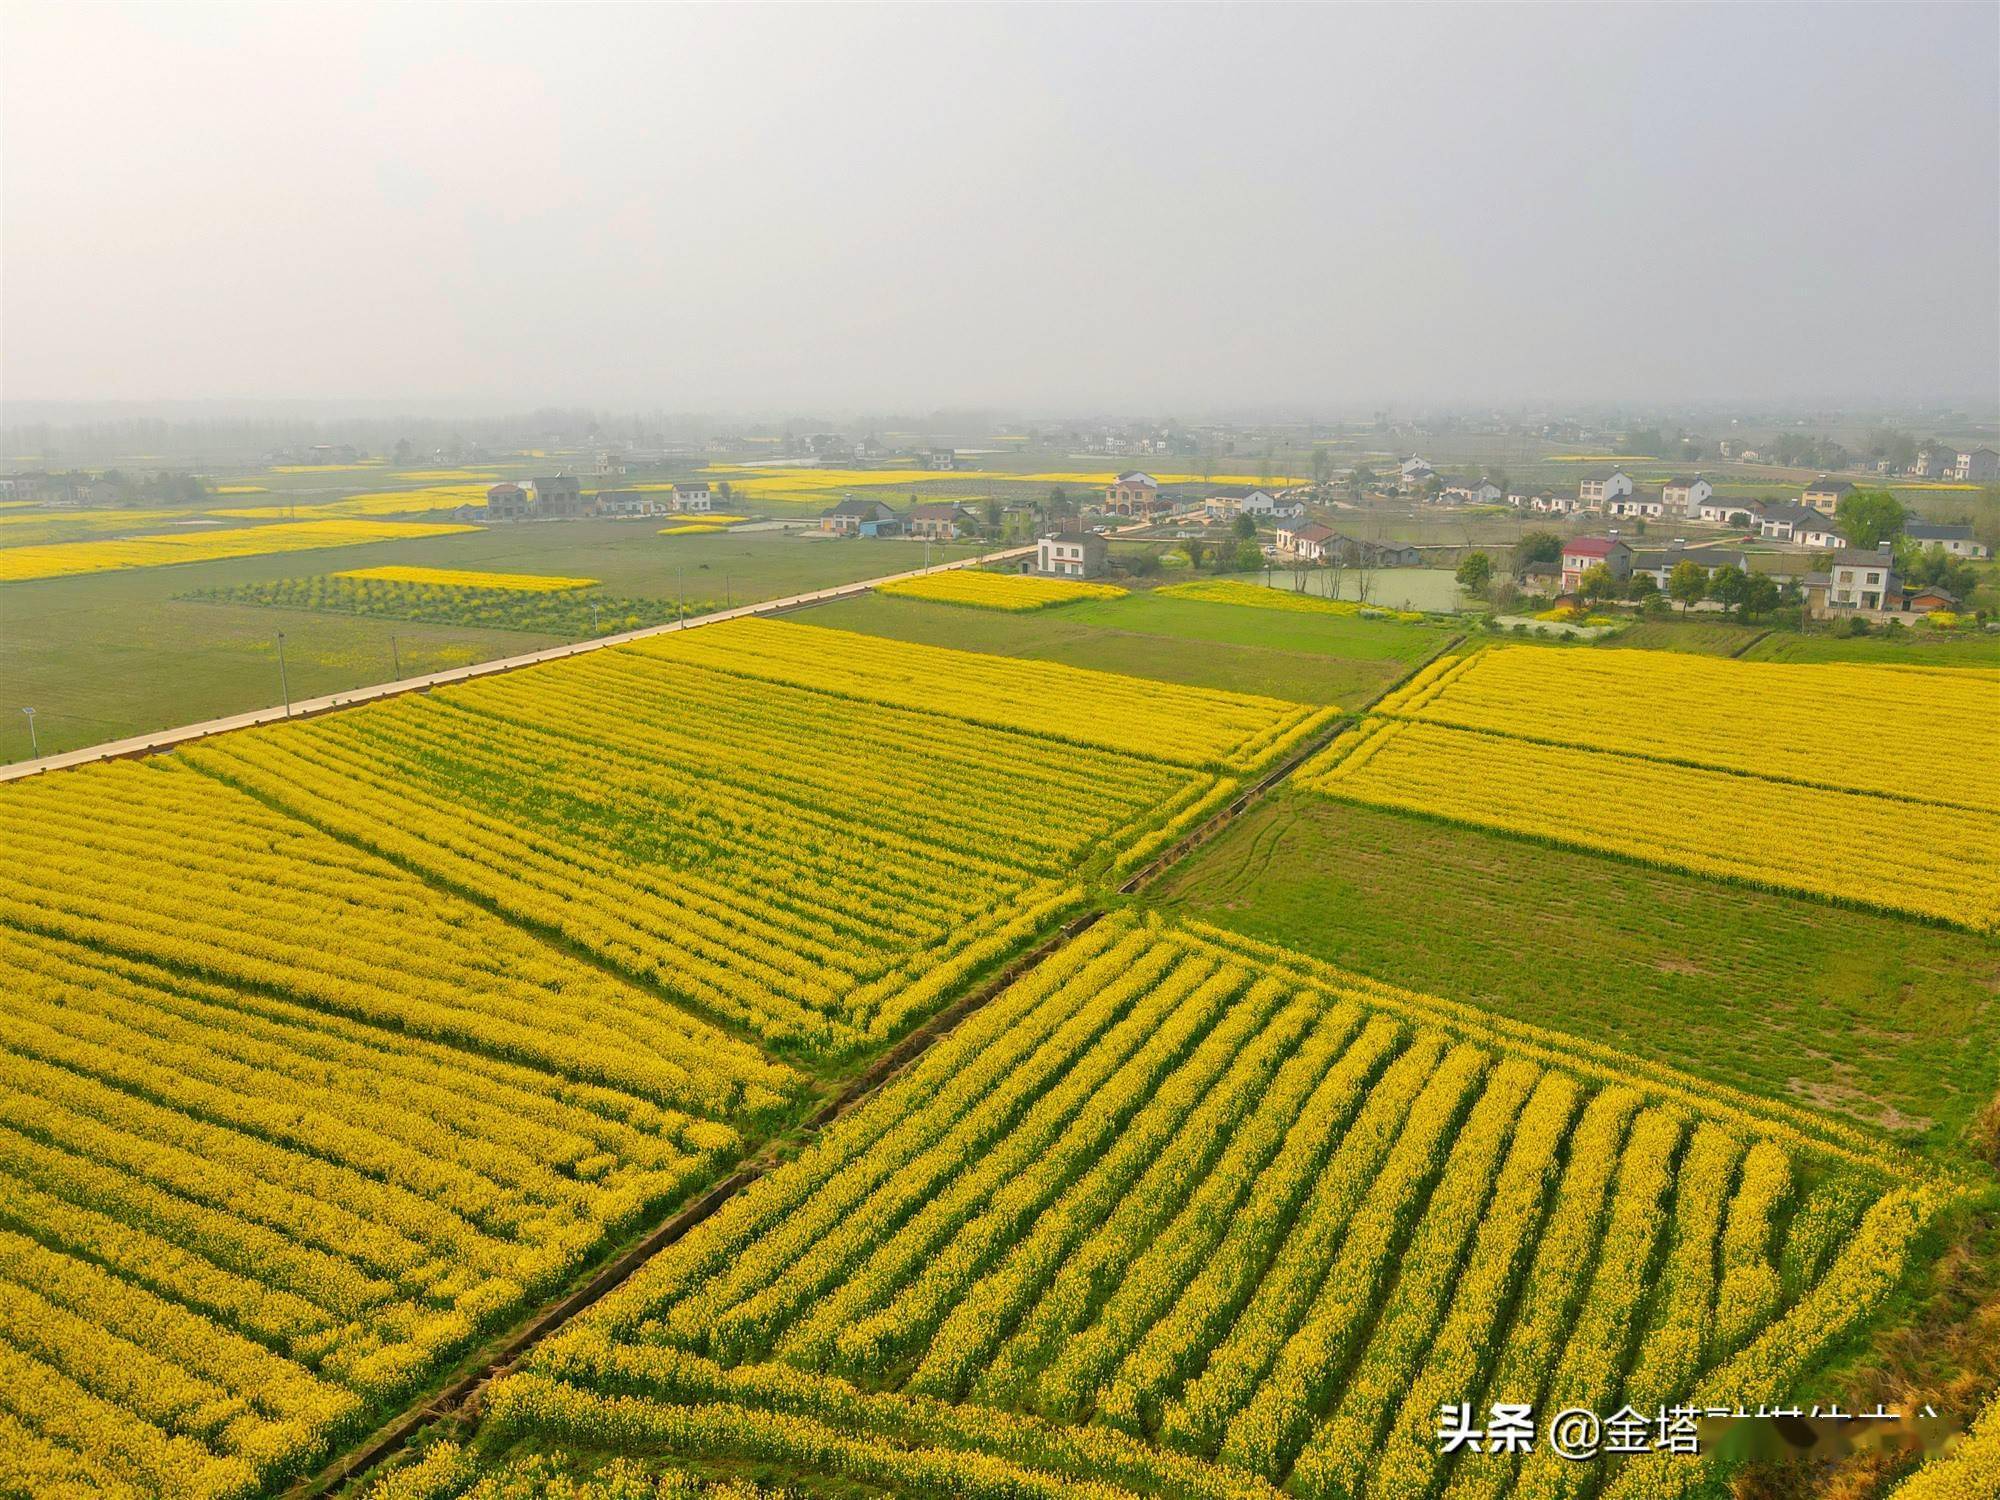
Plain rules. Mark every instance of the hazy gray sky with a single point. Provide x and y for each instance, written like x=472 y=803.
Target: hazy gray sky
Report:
x=1087 y=207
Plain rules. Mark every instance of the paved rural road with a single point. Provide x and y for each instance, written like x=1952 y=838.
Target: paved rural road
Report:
x=166 y=739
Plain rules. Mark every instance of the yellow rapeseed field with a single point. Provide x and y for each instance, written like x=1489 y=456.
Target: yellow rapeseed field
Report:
x=1808 y=725
x=283 y=1129
x=461 y=578
x=1011 y=592
x=378 y=503
x=1783 y=835
x=1180 y=725
x=1180 y=1213
x=1256 y=596
x=62 y=559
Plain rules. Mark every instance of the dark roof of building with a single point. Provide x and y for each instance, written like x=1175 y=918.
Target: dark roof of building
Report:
x=691 y=484
x=1134 y=476
x=1933 y=591
x=867 y=510
x=1598 y=476
x=1825 y=486
x=1936 y=531
x=938 y=510
x=1864 y=557
x=1237 y=492
x=1678 y=483
x=1312 y=531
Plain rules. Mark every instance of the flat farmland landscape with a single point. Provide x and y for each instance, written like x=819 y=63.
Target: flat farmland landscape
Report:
x=1222 y=1185
x=108 y=655
x=999 y=752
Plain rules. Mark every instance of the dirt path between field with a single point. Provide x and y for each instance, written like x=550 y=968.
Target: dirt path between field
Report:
x=306 y=708
x=460 y=1401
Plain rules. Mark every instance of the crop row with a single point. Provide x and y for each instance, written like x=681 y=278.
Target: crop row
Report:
x=62 y=559
x=232 y=1220
x=1810 y=723
x=1163 y=721
x=1009 y=592
x=1226 y=1225
x=561 y=610
x=1747 y=829
x=736 y=850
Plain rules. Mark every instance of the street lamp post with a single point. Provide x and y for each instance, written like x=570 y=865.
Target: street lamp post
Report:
x=34 y=744
x=284 y=687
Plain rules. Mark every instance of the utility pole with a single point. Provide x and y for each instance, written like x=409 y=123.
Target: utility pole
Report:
x=681 y=595
x=593 y=617
x=34 y=744
x=283 y=686
x=395 y=657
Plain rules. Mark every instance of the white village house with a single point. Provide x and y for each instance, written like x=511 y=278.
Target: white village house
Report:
x=1957 y=540
x=1687 y=495
x=1603 y=486
x=1646 y=503
x=1071 y=555
x=1799 y=524
x=1304 y=539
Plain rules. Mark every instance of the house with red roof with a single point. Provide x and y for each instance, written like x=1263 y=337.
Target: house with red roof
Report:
x=1581 y=554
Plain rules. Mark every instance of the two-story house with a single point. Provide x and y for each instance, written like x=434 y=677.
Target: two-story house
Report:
x=1687 y=495
x=694 y=496
x=1604 y=486
x=1134 y=494
x=1824 y=495
x=508 y=502
x=1862 y=579
x=939 y=520
x=860 y=518
x=1979 y=465
x=1581 y=554
x=1071 y=556
x=558 y=495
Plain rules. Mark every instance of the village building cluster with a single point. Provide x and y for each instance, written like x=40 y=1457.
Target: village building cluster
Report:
x=560 y=497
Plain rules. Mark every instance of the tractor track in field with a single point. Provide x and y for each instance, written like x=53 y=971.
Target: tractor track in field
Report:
x=462 y=1399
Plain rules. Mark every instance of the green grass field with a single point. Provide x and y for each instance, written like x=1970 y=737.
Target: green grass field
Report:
x=1917 y=649
x=1301 y=657
x=104 y=656
x=1699 y=637
x=1894 y=1023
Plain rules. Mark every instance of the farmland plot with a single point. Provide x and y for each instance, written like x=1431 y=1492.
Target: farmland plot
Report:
x=818 y=867
x=1649 y=756
x=282 y=1129
x=1694 y=710
x=1009 y=592
x=1179 y=1214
